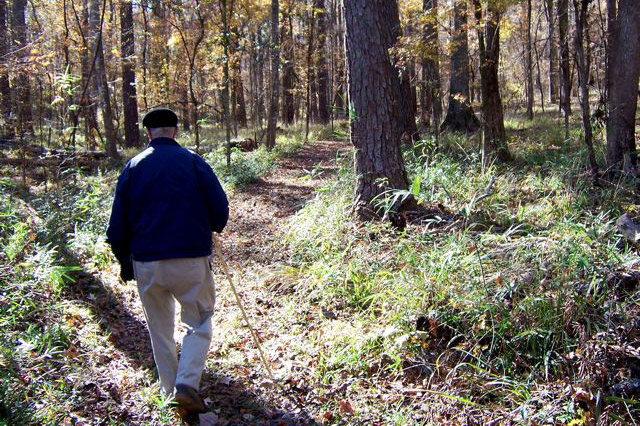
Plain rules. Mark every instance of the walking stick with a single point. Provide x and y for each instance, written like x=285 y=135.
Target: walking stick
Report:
x=263 y=358
x=225 y=268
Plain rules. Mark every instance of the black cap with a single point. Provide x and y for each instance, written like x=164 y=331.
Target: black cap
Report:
x=160 y=117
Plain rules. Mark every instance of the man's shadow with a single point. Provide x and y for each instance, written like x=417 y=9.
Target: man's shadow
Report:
x=229 y=398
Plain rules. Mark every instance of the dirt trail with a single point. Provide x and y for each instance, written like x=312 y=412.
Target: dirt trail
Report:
x=234 y=382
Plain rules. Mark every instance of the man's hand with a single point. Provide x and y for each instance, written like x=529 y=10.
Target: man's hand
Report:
x=126 y=271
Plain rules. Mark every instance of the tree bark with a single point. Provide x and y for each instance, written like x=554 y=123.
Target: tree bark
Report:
x=374 y=100
x=460 y=116
x=494 y=144
x=129 y=92
x=22 y=86
x=432 y=105
x=5 y=90
x=96 y=19
x=529 y=64
x=581 y=15
x=621 y=144
x=321 y=62
x=610 y=50
x=553 y=53
x=275 y=75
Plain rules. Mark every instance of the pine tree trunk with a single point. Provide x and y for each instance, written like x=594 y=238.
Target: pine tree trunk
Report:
x=460 y=116
x=22 y=86
x=432 y=108
x=553 y=53
x=5 y=90
x=275 y=75
x=96 y=13
x=494 y=137
x=621 y=143
x=129 y=92
x=321 y=63
x=374 y=100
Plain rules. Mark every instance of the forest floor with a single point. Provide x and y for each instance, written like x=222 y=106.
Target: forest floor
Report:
x=235 y=385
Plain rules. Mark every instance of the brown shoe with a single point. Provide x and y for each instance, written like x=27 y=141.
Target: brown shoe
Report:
x=188 y=399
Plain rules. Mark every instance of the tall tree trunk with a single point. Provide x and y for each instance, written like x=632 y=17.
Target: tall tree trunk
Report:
x=430 y=66
x=374 y=100
x=537 y=63
x=241 y=109
x=339 y=96
x=145 y=50
x=225 y=76
x=529 y=64
x=5 y=90
x=581 y=15
x=288 y=68
x=96 y=19
x=565 y=66
x=553 y=53
x=260 y=58
x=129 y=92
x=87 y=103
x=275 y=75
x=621 y=143
x=494 y=144
x=460 y=116
x=321 y=63
x=22 y=85
x=309 y=100
x=406 y=105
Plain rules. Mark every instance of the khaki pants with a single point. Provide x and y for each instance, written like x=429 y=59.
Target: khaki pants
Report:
x=190 y=282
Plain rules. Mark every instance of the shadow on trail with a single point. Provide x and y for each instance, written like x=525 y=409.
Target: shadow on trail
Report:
x=235 y=404
x=128 y=333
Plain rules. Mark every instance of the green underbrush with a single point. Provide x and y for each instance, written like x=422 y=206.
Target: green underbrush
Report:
x=54 y=338
x=500 y=291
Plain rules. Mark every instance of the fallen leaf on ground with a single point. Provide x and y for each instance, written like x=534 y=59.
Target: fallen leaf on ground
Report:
x=346 y=408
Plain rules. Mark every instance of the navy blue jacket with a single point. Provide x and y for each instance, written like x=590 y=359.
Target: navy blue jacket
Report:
x=167 y=203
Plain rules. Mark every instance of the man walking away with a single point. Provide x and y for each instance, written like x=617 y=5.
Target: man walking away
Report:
x=168 y=201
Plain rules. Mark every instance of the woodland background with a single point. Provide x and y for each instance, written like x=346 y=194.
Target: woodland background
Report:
x=433 y=206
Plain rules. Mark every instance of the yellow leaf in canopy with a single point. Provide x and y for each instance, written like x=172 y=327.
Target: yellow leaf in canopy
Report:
x=173 y=40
